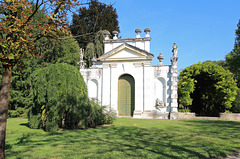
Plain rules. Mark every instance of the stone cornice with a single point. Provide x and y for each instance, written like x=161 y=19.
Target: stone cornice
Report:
x=145 y=55
x=127 y=40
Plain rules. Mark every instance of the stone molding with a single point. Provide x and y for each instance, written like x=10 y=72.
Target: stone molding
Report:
x=127 y=40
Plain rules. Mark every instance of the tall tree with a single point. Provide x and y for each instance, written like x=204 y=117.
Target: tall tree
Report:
x=90 y=20
x=17 y=43
x=233 y=64
x=233 y=58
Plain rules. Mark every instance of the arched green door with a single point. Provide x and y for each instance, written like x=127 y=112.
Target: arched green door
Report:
x=126 y=95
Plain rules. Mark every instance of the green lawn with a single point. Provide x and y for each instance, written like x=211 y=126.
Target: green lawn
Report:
x=127 y=138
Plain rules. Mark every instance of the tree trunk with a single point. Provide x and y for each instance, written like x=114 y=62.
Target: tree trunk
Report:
x=4 y=101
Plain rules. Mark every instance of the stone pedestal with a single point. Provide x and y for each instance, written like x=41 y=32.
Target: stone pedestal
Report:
x=137 y=114
x=174 y=115
x=147 y=114
x=161 y=109
x=160 y=115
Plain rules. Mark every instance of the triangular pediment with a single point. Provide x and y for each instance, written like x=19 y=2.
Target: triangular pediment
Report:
x=126 y=52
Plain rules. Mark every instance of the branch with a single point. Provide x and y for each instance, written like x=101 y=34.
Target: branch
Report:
x=58 y=7
x=75 y=36
x=35 y=11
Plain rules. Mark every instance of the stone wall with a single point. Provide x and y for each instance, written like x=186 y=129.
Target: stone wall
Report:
x=186 y=115
x=230 y=116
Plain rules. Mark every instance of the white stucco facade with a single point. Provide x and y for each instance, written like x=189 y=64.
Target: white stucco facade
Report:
x=155 y=87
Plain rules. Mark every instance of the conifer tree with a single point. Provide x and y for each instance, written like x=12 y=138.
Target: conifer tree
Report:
x=233 y=58
x=89 y=21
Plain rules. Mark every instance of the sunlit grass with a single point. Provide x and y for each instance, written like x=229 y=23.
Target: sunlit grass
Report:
x=127 y=138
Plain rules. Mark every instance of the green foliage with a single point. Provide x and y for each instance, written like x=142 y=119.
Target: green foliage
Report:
x=100 y=114
x=233 y=58
x=60 y=100
x=184 y=110
x=89 y=21
x=20 y=112
x=1 y=71
x=69 y=52
x=59 y=95
x=236 y=103
x=95 y=49
x=64 y=52
x=221 y=63
x=99 y=47
x=206 y=88
x=89 y=53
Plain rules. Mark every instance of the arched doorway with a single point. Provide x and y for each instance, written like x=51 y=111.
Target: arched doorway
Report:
x=126 y=95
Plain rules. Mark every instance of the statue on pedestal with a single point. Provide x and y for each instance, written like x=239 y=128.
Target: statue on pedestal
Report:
x=81 y=63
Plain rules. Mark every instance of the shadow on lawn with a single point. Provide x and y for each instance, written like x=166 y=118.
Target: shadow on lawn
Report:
x=135 y=142
x=25 y=124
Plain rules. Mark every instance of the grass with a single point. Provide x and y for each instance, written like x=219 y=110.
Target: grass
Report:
x=127 y=138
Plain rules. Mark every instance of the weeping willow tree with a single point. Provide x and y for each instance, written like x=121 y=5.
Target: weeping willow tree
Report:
x=95 y=49
x=60 y=100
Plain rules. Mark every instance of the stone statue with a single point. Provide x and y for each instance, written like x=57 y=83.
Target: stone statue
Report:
x=175 y=50
x=159 y=102
x=81 y=54
x=174 y=58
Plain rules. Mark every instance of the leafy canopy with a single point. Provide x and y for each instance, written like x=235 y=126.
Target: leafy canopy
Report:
x=206 y=88
x=17 y=41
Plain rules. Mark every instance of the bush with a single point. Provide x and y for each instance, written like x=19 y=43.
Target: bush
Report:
x=183 y=110
x=20 y=112
x=60 y=100
x=206 y=89
x=100 y=114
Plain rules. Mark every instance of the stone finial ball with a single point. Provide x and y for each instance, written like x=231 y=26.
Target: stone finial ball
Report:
x=115 y=32
x=160 y=57
x=94 y=59
x=106 y=32
x=147 y=30
x=138 y=31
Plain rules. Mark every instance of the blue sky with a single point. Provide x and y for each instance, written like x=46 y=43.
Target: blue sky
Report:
x=202 y=29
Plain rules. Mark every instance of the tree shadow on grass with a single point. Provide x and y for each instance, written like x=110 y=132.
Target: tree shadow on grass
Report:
x=25 y=124
x=134 y=142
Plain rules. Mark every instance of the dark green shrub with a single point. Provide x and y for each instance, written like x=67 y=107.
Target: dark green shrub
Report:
x=59 y=96
x=100 y=114
x=236 y=103
x=34 y=120
x=60 y=100
x=20 y=112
